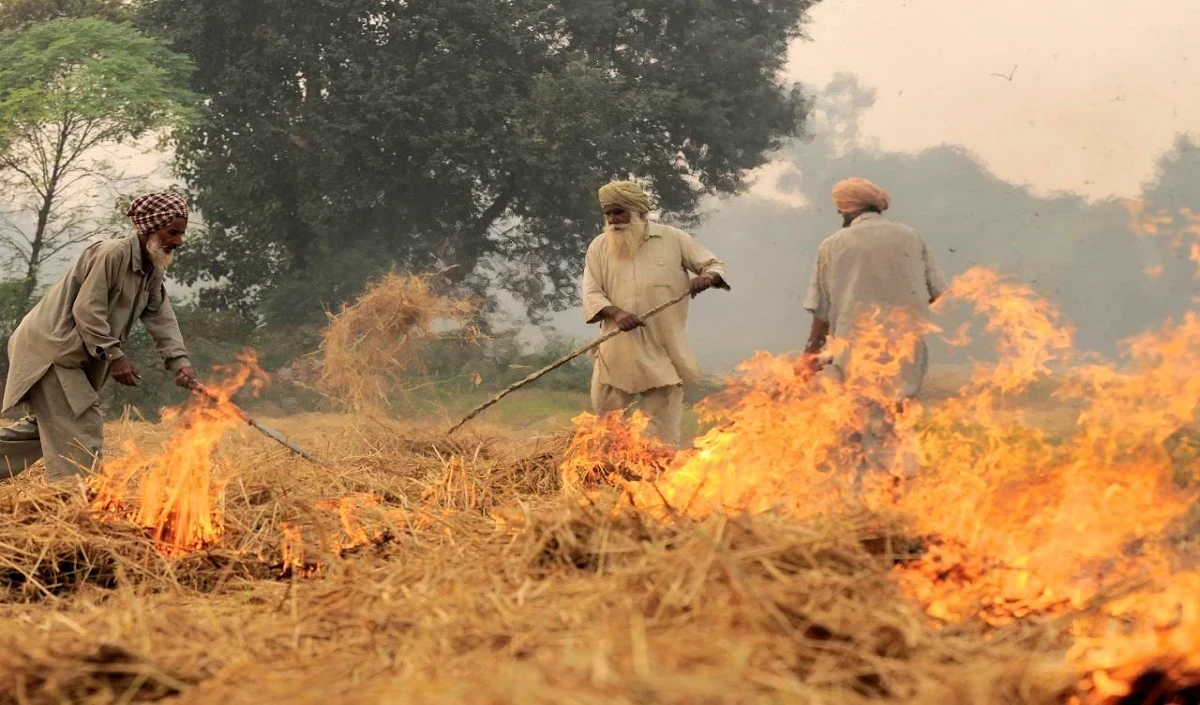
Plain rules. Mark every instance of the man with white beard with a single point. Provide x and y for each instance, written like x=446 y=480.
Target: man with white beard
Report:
x=632 y=267
x=69 y=345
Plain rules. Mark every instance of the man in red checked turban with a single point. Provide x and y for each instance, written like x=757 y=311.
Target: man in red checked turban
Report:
x=71 y=343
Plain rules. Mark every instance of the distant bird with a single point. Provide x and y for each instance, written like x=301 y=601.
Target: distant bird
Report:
x=1009 y=76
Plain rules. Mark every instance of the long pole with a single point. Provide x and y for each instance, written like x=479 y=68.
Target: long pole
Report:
x=274 y=435
x=559 y=363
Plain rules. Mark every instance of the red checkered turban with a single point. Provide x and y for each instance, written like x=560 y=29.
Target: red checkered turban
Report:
x=154 y=211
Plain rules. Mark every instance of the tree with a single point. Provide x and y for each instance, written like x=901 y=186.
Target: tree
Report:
x=69 y=89
x=16 y=14
x=457 y=133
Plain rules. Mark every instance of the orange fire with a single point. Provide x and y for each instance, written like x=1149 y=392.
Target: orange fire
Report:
x=1017 y=522
x=1179 y=230
x=613 y=450
x=177 y=494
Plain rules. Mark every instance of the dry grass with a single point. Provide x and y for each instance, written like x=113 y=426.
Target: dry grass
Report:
x=431 y=571
x=371 y=345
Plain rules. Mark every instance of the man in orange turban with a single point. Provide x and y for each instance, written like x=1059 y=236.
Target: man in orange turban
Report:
x=856 y=196
x=871 y=264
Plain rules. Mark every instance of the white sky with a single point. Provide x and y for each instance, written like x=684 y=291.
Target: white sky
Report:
x=1100 y=90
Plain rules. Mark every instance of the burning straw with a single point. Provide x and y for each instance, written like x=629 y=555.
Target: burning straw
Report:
x=373 y=343
x=500 y=587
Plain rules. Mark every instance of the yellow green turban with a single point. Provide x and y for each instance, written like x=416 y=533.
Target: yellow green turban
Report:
x=858 y=194
x=625 y=194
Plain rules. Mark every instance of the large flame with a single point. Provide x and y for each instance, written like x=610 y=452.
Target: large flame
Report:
x=177 y=493
x=1015 y=521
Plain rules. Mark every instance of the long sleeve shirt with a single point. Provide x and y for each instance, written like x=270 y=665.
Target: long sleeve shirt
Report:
x=658 y=354
x=84 y=320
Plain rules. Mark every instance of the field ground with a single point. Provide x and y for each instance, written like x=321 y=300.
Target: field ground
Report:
x=416 y=569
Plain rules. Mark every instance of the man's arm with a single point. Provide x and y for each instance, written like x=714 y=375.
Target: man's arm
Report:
x=817 y=302
x=698 y=259
x=159 y=319
x=810 y=362
x=933 y=276
x=90 y=314
x=596 y=305
x=592 y=294
x=817 y=336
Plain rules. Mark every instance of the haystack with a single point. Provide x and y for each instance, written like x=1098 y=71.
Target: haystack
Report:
x=371 y=345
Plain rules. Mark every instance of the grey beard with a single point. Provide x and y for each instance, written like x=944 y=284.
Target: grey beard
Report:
x=158 y=256
x=623 y=242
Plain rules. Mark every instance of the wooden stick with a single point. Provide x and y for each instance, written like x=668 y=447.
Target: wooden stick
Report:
x=274 y=435
x=559 y=363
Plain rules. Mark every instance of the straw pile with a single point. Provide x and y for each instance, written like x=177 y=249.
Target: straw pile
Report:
x=432 y=571
x=371 y=345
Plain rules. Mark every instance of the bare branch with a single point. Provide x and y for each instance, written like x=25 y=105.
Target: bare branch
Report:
x=52 y=251
x=34 y=183
x=19 y=253
x=43 y=155
x=12 y=231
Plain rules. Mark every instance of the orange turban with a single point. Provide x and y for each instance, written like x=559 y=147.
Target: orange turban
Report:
x=858 y=195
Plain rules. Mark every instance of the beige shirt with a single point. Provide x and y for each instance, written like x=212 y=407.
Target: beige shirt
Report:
x=81 y=324
x=878 y=262
x=658 y=354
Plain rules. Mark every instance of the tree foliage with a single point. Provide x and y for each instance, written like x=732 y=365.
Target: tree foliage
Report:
x=16 y=14
x=69 y=89
x=461 y=134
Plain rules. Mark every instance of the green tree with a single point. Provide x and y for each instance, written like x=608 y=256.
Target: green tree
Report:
x=69 y=90
x=15 y=14
x=458 y=133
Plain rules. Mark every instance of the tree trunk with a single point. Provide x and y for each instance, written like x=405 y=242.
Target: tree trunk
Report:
x=473 y=245
x=49 y=196
x=38 y=243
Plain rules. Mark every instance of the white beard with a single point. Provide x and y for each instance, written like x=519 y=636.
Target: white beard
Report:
x=160 y=257
x=624 y=240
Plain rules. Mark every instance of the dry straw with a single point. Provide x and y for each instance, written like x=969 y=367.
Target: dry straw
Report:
x=424 y=570
x=370 y=346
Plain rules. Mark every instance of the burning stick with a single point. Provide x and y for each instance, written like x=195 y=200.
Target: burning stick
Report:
x=274 y=435
x=559 y=363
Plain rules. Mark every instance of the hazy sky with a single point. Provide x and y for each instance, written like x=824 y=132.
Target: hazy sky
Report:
x=1101 y=87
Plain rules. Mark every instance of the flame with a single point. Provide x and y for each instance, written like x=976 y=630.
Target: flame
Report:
x=613 y=450
x=177 y=494
x=351 y=530
x=1180 y=230
x=1015 y=522
x=292 y=549
x=348 y=510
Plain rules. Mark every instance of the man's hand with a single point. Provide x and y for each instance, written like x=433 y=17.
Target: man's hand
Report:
x=123 y=372
x=186 y=377
x=625 y=320
x=808 y=366
x=702 y=283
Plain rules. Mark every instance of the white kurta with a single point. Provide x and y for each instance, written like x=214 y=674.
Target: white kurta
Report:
x=657 y=355
x=874 y=262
